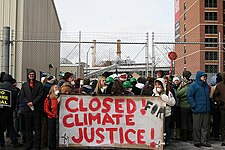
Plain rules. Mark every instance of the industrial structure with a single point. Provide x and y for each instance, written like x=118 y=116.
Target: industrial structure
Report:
x=200 y=21
x=27 y=22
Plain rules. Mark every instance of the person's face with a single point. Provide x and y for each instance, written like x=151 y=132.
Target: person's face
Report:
x=55 y=88
x=158 y=85
x=159 y=75
x=102 y=82
x=203 y=78
x=31 y=75
x=71 y=78
x=176 y=82
x=166 y=81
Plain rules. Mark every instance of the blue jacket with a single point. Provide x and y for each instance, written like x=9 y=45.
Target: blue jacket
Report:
x=198 y=95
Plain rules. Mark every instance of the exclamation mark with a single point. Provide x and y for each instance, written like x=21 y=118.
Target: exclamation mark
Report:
x=152 y=135
x=143 y=111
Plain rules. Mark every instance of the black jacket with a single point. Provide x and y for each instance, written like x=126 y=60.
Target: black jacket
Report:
x=6 y=85
x=34 y=95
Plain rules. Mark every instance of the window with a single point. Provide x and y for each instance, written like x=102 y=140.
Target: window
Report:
x=224 y=17
x=185 y=61
x=211 y=3
x=184 y=5
x=211 y=56
x=185 y=17
x=211 y=40
x=211 y=68
x=185 y=50
x=211 y=29
x=184 y=27
x=210 y=15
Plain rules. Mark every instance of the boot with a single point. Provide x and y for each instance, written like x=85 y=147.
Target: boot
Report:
x=190 y=135
x=178 y=133
x=183 y=135
x=172 y=135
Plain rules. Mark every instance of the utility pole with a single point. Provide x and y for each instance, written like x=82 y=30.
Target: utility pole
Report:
x=153 y=55
x=5 y=49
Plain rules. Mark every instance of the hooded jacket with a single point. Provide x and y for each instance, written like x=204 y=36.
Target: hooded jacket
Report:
x=167 y=98
x=198 y=95
x=32 y=95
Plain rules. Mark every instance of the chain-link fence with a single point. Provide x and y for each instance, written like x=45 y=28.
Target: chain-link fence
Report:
x=192 y=56
x=79 y=53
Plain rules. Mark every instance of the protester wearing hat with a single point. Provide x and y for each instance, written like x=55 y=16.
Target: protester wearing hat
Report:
x=185 y=108
x=198 y=97
x=68 y=77
x=139 y=86
x=123 y=77
x=127 y=86
x=161 y=90
x=6 y=120
x=86 y=88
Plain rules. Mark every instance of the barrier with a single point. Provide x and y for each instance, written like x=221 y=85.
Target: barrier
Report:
x=111 y=121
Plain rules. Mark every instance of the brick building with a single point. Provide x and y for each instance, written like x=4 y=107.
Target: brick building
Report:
x=199 y=21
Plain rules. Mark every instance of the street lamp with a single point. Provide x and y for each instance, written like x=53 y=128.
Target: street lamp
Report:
x=91 y=47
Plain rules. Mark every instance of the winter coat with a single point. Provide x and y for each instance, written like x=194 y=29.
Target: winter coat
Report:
x=182 y=95
x=168 y=99
x=198 y=95
x=219 y=93
x=51 y=107
x=32 y=95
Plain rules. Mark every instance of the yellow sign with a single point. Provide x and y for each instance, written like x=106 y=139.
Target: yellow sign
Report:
x=5 y=97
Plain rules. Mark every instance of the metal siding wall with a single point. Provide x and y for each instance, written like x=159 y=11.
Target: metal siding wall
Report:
x=40 y=23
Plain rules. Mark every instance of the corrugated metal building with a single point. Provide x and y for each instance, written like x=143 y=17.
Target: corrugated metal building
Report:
x=31 y=20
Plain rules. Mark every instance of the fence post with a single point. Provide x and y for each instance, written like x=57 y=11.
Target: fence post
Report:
x=153 y=55
x=147 y=56
x=5 y=49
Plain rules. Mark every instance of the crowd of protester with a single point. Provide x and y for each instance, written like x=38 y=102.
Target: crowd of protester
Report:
x=195 y=110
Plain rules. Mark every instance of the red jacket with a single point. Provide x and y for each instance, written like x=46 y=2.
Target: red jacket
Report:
x=51 y=111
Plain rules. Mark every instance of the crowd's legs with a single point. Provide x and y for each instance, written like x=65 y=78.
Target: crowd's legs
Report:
x=200 y=129
x=32 y=123
x=186 y=124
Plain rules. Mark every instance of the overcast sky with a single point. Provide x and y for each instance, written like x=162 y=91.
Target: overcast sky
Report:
x=116 y=15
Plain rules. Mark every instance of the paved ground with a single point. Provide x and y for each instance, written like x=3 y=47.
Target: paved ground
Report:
x=179 y=145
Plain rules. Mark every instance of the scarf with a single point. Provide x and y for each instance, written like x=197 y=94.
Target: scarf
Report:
x=186 y=81
x=32 y=84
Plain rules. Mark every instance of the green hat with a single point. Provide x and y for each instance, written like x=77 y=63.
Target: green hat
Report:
x=109 y=79
x=127 y=84
x=133 y=80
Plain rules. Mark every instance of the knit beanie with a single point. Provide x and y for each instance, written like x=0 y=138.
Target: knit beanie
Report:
x=187 y=74
x=175 y=78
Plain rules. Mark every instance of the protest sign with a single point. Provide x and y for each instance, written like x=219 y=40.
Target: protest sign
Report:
x=5 y=97
x=111 y=121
